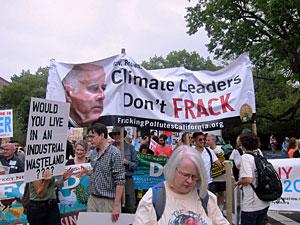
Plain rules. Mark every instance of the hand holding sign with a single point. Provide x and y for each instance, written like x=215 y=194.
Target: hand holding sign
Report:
x=47 y=175
x=68 y=174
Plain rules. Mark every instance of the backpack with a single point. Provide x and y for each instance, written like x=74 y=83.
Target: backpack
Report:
x=269 y=187
x=159 y=199
x=235 y=170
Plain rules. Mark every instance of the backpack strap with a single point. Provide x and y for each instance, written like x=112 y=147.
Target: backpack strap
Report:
x=159 y=200
x=204 y=202
x=240 y=151
x=210 y=156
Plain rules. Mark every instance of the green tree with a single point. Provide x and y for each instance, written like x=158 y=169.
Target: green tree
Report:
x=268 y=29
x=17 y=96
x=273 y=98
x=190 y=60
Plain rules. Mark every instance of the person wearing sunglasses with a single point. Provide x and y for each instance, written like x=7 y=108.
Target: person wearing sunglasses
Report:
x=185 y=185
x=208 y=156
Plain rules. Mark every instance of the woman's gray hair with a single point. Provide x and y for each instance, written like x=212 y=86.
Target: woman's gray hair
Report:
x=174 y=161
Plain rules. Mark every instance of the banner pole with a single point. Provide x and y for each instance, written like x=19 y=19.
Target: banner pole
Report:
x=228 y=191
x=122 y=154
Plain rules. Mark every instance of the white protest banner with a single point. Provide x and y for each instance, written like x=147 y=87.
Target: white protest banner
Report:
x=46 y=138
x=6 y=123
x=289 y=173
x=118 y=91
x=96 y=218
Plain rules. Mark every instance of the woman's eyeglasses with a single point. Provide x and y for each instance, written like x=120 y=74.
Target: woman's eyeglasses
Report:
x=187 y=176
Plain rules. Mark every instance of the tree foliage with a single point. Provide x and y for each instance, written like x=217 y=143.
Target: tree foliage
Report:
x=268 y=29
x=17 y=96
x=274 y=97
x=190 y=60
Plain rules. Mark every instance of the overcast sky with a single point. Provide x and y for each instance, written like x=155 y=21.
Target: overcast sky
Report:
x=34 y=31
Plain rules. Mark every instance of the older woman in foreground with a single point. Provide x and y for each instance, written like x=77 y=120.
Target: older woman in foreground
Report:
x=185 y=186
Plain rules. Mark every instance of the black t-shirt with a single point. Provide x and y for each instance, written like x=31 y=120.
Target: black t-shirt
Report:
x=70 y=162
x=15 y=164
x=296 y=154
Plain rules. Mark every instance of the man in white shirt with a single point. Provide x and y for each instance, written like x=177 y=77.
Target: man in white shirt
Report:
x=254 y=210
x=208 y=156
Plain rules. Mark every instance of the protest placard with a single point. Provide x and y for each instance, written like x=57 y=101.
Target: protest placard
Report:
x=6 y=123
x=46 y=138
x=96 y=218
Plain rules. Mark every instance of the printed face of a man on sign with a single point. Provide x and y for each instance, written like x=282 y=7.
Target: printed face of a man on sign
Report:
x=85 y=86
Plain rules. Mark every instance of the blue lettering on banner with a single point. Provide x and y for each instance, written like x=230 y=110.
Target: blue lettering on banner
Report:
x=291 y=185
x=5 y=124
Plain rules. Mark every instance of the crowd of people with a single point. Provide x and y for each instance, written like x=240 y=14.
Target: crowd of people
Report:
x=290 y=146
x=188 y=177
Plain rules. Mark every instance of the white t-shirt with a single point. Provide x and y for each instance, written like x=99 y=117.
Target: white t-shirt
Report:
x=179 y=209
x=236 y=157
x=250 y=201
x=207 y=163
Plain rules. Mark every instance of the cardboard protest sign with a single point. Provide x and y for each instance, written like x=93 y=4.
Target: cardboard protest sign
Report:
x=96 y=218
x=6 y=123
x=118 y=91
x=46 y=138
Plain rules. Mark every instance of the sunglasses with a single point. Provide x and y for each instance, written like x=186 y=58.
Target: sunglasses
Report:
x=201 y=139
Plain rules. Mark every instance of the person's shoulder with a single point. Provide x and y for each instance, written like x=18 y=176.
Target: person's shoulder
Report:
x=169 y=147
x=207 y=149
x=158 y=148
x=218 y=149
x=113 y=150
x=212 y=195
x=234 y=154
x=247 y=156
x=129 y=146
x=17 y=159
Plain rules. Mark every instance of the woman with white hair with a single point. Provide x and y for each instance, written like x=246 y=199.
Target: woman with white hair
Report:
x=186 y=199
